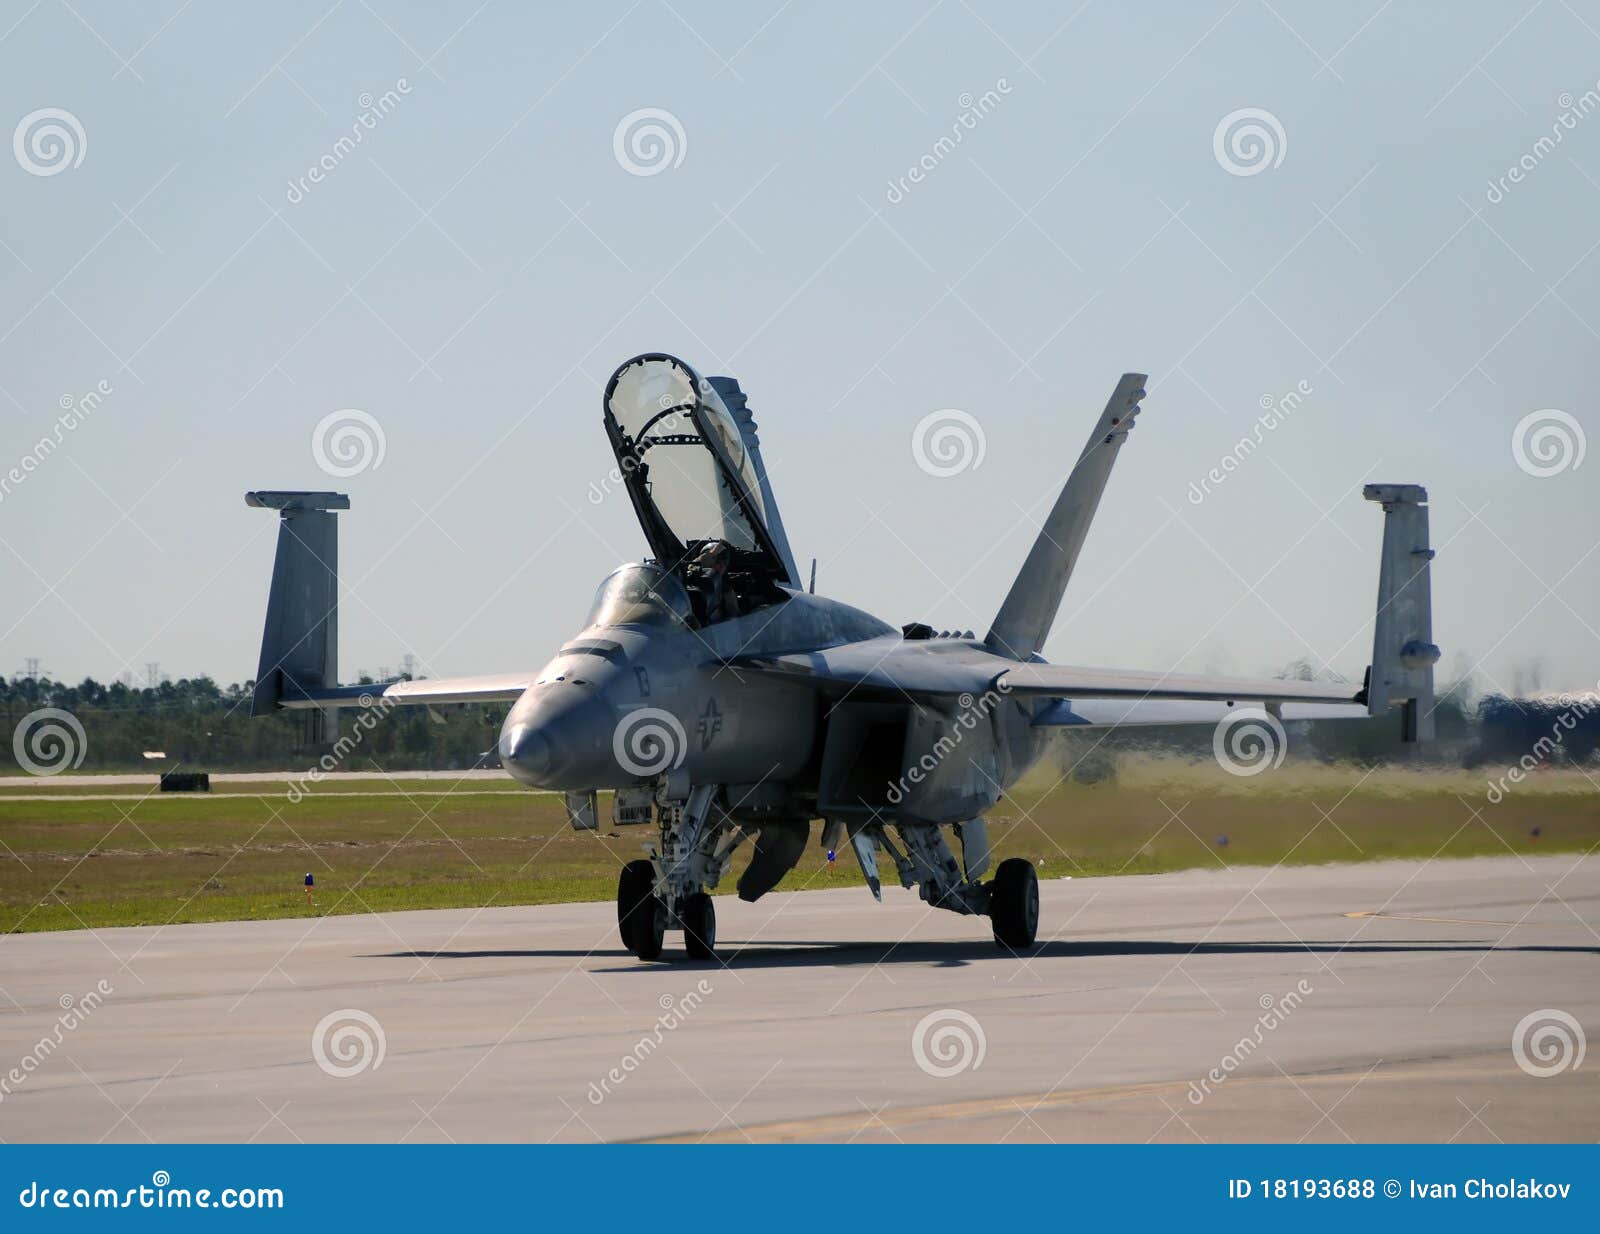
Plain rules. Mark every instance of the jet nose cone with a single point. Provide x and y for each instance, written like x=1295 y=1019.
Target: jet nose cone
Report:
x=526 y=753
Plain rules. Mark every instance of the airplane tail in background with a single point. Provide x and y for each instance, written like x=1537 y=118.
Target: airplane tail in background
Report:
x=300 y=644
x=1024 y=620
x=1403 y=650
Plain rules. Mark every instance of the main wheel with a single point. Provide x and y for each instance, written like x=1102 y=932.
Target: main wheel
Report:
x=1014 y=904
x=699 y=916
x=634 y=884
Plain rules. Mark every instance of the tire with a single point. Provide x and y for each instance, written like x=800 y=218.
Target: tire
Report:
x=1014 y=904
x=649 y=928
x=634 y=884
x=699 y=915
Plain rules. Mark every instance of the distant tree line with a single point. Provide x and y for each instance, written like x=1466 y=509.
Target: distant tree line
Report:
x=202 y=726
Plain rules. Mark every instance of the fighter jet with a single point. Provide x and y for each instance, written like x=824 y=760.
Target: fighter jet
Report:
x=719 y=700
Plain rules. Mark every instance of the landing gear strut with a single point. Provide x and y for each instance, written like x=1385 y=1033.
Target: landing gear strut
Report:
x=1010 y=901
x=671 y=890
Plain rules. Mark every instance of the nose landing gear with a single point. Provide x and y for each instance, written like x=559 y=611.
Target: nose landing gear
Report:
x=671 y=891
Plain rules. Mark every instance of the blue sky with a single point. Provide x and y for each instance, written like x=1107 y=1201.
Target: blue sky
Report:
x=469 y=273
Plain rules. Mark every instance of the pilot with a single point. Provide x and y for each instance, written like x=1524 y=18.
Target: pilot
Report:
x=711 y=564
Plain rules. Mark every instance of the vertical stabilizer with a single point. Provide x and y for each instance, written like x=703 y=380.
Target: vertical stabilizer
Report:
x=1403 y=650
x=300 y=643
x=1024 y=620
x=738 y=405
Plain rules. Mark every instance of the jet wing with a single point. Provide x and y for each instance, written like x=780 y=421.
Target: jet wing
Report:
x=1143 y=713
x=941 y=671
x=1067 y=681
x=915 y=669
x=491 y=688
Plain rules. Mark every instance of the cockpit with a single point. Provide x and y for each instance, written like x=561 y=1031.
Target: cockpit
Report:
x=641 y=595
x=697 y=484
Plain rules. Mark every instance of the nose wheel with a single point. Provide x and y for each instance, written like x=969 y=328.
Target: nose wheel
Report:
x=641 y=916
x=699 y=916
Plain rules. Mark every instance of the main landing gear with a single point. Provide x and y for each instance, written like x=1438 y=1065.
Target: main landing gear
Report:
x=1010 y=900
x=671 y=889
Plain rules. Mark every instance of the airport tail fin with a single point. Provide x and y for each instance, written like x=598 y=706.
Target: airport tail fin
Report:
x=1024 y=620
x=1403 y=650
x=300 y=644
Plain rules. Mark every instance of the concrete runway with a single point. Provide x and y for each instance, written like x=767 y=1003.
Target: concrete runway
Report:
x=503 y=1024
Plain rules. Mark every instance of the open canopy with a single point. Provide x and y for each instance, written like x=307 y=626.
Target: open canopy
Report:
x=685 y=464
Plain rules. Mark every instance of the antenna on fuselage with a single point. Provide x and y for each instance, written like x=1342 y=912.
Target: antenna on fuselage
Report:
x=813 y=587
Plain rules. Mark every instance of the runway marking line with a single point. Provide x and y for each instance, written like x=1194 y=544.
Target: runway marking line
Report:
x=1503 y=925
x=830 y=1125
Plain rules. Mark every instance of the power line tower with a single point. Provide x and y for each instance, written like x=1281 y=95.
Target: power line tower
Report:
x=152 y=674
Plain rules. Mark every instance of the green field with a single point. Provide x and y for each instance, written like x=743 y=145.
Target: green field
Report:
x=377 y=846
